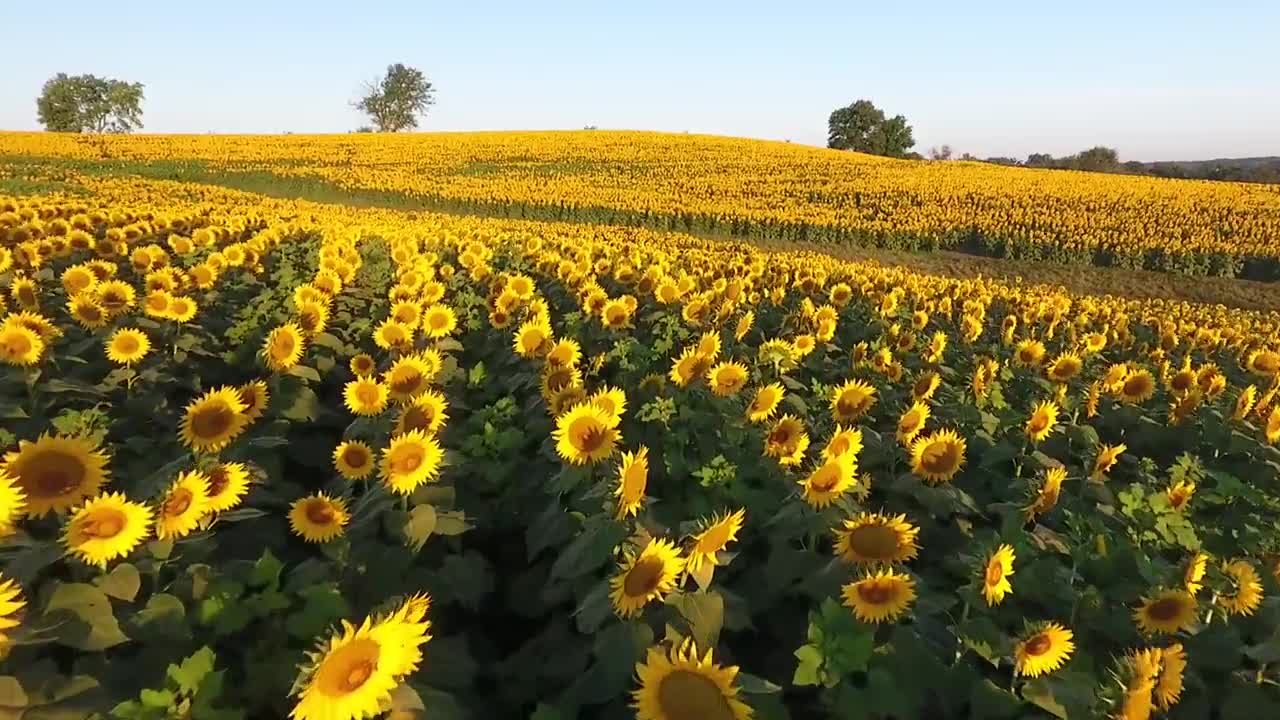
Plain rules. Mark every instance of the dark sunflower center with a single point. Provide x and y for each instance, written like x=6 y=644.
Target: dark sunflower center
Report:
x=319 y=512
x=178 y=503
x=1165 y=609
x=875 y=593
x=825 y=479
x=995 y=573
x=780 y=436
x=1136 y=385
x=1181 y=381
x=55 y=474
x=1026 y=355
x=283 y=346
x=593 y=439
x=127 y=345
x=406 y=381
x=106 y=524
x=687 y=695
x=875 y=542
x=1038 y=645
x=218 y=480
x=212 y=422
x=367 y=394
x=354 y=457
x=407 y=460
x=1039 y=422
x=644 y=578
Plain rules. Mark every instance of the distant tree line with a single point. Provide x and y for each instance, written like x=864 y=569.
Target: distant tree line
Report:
x=1105 y=159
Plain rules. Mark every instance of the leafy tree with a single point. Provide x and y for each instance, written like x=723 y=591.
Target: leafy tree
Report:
x=941 y=153
x=863 y=127
x=88 y=103
x=395 y=101
x=1097 y=159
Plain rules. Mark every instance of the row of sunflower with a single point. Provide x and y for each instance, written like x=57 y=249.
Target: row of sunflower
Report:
x=754 y=189
x=637 y=475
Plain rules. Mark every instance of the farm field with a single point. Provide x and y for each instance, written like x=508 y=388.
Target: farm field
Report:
x=624 y=437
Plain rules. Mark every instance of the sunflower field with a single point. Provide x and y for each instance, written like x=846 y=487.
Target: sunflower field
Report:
x=266 y=458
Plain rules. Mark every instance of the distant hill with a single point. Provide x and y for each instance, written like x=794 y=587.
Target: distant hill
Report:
x=1248 y=162
x=1251 y=169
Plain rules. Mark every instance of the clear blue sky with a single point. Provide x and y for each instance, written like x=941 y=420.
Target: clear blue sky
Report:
x=1158 y=80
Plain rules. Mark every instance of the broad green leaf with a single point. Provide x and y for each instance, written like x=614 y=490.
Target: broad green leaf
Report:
x=122 y=583
x=304 y=372
x=159 y=699
x=704 y=612
x=93 y=608
x=418 y=527
x=593 y=547
x=266 y=571
x=451 y=522
x=191 y=672
x=323 y=606
x=11 y=693
x=810 y=664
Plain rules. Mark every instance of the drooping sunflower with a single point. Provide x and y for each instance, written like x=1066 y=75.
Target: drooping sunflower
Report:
x=1193 y=574
x=106 y=527
x=765 y=403
x=874 y=538
x=228 y=484
x=1173 y=663
x=829 y=480
x=20 y=345
x=633 y=479
x=727 y=378
x=283 y=347
x=318 y=518
x=681 y=685
x=366 y=396
x=787 y=441
x=1043 y=650
x=937 y=457
x=349 y=677
x=185 y=502
x=213 y=420
x=1179 y=494
x=353 y=460
x=55 y=473
x=851 y=400
x=912 y=422
x=1246 y=588
x=11 y=603
x=1040 y=424
x=585 y=435
x=1167 y=611
x=412 y=459
x=255 y=396
x=996 y=574
x=612 y=401
x=1064 y=367
x=1047 y=494
x=426 y=413
x=1105 y=460
x=717 y=532
x=645 y=577
x=882 y=596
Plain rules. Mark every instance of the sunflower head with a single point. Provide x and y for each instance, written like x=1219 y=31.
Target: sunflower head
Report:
x=851 y=400
x=255 y=396
x=874 y=539
x=183 y=505
x=912 y=422
x=1043 y=418
x=937 y=457
x=632 y=481
x=996 y=574
x=1043 y=649
x=682 y=684
x=55 y=473
x=366 y=396
x=412 y=459
x=105 y=528
x=213 y=420
x=717 y=532
x=427 y=413
x=645 y=577
x=727 y=378
x=881 y=596
x=318 y=518
x=765 y=403
x=787 y=441
x=363 y=365
x=20 y=345
x=283 y=347
x=585 y=434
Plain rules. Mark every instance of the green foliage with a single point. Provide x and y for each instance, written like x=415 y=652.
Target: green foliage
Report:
x=394 y=101
x=862 y=127
x=89 y=104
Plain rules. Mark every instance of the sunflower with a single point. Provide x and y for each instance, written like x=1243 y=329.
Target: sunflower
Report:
x=744 y=325
x=1047 y=494
x=350 y=676
x=1029 y=353
x=86 y=311
x=283 y=347
x=318 y=518
x=844 y=441
x=882 y=596
x=13 y=503
x=228 y=484
x=937 y=457
x=851 y=400
x=1138 y=386
x=565 y=353
x=11 y=604
x=531 y=339
x=765 y=403
x=366 y=396
x=115 y=296
x=787 y=441
x=585 y=435
x=1193 y=575
x=1138 y=671
x=182 y=506
x=439 y=321
x=1246 y=592
x=1179 y=494
x=127 y=346
x=425 y=413
x=255 y=397
x=1043 y=650
x=557 y=378
x=412 y=459
x=925 y=386
x=996 y=574
x=829 y=480
x=645 y=577
x=107 y=527
x=681 y=685
x=363 y=365
x=633 y=478
x=871 y=538
x=55 y=472
x=1167 y=611
x=689 y=367
x=1040 y=424
x=182 y=309
x=353 y=459
x=612 y=401
x=1064 y=367
x=409 y=376
x=213 y=420
x=20 y=345
x=1173 y=662
x=1105 y=460
x=912 y=422
x=727 y=378
x=717 y=533
x=1272 y=429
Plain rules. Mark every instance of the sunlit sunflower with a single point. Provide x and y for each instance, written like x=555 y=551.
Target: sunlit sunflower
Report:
x=363 y=365
x=255 y=396
x=349 y=676
x=185 y=502
x=318 y=518
x=283 y=347
x=681 y=685
x=1048 y=492
x=1271 y=431
x=1029 y=353
x=1043 y=650
x=11 y=605
x=213 y=420
x=228 y=484
x=1193 y=574
x=1040 y=424
x=632 y=481
x=1137 y=676
x=996 y=574
x=20 y=345
x=689 y=367
x=744 y=325
x=353 y=460
x=365 y=396
x=912 y=422
x=105 y=528
x=56 y=473
x=1173 y=663
x=1137 y=387
x=882 y=596
x=564 y=353
x=87 y=312
x=425 y=413
x=851 y=400
x=13 y=503
x=717 y=532
x=873 y=538
x=844 y=441
x=1167 y=611
x=585 y=435
x=558 y=378
x=787 y=441
x=765 y=403
x=727 y=378
x=925 y=386
x=439 y=321
x=412 y=459
x=1246 y=588
x=1064 y=367
x=1105 y=460
x=836 y=475
x=1179 y=494
x=408 y=377
x=182 y=309
x=115 y=296
x=645 y=577
x=127 y=346
x=532 y=339
x=937 y=457
x=612 y=401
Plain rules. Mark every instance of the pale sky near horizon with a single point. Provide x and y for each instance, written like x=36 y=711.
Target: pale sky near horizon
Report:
x=1157 y=80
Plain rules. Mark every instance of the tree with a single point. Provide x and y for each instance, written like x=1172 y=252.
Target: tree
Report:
x=88 y=103
x=862 y=127
x=1097 y=159
x=395 y=101
x=941 y=153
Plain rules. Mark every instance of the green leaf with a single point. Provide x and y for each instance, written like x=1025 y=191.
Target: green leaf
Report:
x=304 y=406
x=325 y=340
x=323 y=606
x=304 y=372
x=1038 y=693
x=419 y=526
x=192 y=671
x=807 y=670
x=592 y=548
x=92 y=607
x=451 y=522
x=159 y=699
x=266 y=571
x=122 y=583
x=988 y=701
x=704 y=612
x=755 y=685
x=164 y=614
x=468 y=578
x=11 y=693
x=545 y=712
